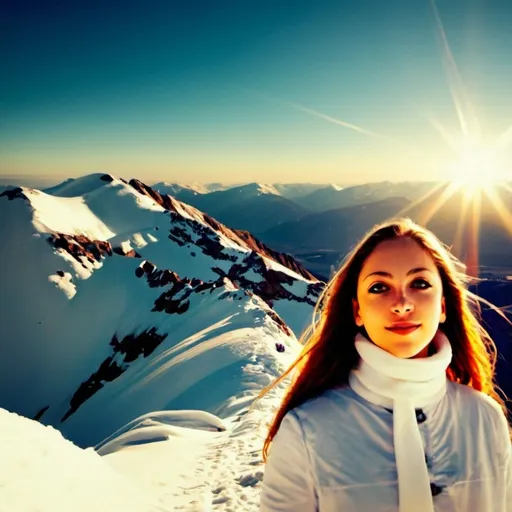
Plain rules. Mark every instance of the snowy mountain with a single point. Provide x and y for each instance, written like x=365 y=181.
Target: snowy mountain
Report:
x=287 y=190
x=296 y=191
x=253 y=207
x=104 y=293
x=247 y=191
x=61 y=477
x=334 y=196
x=172 y=189
x=141 y=326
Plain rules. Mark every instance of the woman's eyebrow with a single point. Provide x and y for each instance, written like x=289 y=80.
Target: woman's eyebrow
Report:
x=387 y=274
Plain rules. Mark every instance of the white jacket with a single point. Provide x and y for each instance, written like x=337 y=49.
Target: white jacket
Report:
x=335 y=454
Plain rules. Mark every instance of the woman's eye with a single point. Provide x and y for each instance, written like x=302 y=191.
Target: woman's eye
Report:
x=378 y=288
x=421 y=284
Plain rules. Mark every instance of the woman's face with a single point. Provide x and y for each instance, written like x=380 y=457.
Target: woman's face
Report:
x=400 y=299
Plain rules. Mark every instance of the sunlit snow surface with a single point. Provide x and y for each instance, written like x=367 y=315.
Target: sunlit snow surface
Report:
x=167 y=460
x=41 y=471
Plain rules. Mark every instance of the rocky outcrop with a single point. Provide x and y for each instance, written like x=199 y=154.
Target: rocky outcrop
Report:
x=132 y=253
x=286 y=260
x=280 y=323
x=39 y=414
x=208 y=244
x=248 y=241
x=204 y=238
x=129 y=349
x=163 y=200
x=180 y=236
x=133 y=346
x=79 y=246
x=270 y=288
x=175 y=300
x=14 y=193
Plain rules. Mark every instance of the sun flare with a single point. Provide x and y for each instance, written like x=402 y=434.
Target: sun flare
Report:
x=476 y=167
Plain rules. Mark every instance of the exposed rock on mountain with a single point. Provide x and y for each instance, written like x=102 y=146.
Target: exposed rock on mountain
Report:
x=13 y=193
x=79 y=246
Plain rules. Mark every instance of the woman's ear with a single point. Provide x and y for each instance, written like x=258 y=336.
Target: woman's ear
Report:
x=442 y=318
x=356 y=311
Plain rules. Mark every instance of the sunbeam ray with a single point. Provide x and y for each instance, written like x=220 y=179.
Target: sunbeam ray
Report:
x=458 y=242
x=469 y=127
x=445 y=135
x=336 y=121
x=345 y=124
x=472 y=259
x=339 y=122
x=503 y=140
x=420 y=200
x=500 y=208
x=427 y=215
x=507 y=187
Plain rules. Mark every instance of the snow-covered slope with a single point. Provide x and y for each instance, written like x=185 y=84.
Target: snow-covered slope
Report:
x=73 y=187
x=104 y=293
x=42 y=471
x=199 y=351
x=166 y=460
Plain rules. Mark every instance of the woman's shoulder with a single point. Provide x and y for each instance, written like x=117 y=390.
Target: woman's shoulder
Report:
x=477 y=404
x=328 y=405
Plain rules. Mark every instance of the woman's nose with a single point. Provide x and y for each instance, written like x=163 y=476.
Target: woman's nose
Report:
x=403 y=305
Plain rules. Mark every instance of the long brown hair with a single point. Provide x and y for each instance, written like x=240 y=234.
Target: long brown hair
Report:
x=329 y=352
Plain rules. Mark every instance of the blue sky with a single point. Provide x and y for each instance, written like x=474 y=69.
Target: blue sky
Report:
x=232 y=90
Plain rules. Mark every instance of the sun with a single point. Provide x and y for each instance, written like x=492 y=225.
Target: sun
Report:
x=476 y=167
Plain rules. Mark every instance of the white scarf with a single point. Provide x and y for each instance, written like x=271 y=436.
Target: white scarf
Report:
x=404 y=385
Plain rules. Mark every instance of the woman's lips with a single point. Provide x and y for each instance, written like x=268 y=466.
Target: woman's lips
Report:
x=403 y=328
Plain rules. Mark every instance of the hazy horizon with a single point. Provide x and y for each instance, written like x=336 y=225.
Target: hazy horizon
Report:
x=44 y=181
x=254 y=91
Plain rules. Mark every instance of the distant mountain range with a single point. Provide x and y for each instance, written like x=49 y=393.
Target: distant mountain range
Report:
x=286 y=190
x=320 y=240
x=333 y=197
x=253 y=207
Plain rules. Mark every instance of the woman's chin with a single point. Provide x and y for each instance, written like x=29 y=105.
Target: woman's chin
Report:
x=406 y=347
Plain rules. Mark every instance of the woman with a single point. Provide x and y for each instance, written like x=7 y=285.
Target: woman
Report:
x=392 y=407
